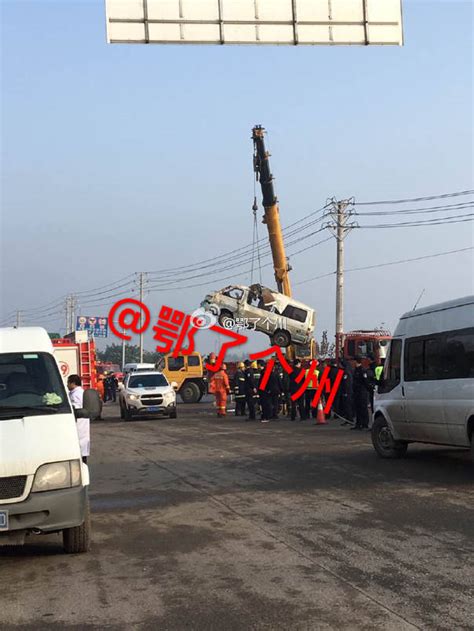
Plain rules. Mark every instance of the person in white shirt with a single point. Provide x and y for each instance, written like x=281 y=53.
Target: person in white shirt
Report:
x=76 y=396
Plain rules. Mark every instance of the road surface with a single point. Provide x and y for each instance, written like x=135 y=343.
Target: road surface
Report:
x=212 y=524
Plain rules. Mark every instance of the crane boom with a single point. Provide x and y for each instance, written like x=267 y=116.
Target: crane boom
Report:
x=272 y=213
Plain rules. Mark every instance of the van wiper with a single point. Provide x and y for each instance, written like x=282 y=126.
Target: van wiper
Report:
x=22 y=409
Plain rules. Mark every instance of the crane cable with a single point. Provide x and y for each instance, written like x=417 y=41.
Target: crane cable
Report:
x=256 y=240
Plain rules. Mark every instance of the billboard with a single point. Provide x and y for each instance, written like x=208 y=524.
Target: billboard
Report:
x=96 y=326
x=292 y=22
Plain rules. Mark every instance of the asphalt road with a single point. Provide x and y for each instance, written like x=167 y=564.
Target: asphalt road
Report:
x=212 y=524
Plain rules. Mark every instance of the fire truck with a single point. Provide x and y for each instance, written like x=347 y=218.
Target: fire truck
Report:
x=366 y=344
x=76 y=355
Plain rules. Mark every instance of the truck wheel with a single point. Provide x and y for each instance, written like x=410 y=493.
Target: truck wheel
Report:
x=281 y=338
x=190 y=392
x=384 y=443
x=226 y=319
x=77 y=540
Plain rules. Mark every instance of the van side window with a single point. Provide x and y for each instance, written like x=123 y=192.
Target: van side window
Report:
x=175 y=363
x=458 y=355
x=392 y=368
x=423 y=359
x=295 y=313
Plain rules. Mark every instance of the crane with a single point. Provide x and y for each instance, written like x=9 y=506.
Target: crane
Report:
x=271 y=218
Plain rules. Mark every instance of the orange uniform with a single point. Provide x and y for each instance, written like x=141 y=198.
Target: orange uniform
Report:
x=220 y=388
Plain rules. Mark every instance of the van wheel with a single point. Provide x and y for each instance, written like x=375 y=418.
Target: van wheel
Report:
x=281 y=338
x=384 y=443
x=226 y=319
x=190 y=392
x=77 y=540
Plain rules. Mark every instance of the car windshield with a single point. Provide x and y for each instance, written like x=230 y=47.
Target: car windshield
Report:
x=30 y=384
x=147 y=381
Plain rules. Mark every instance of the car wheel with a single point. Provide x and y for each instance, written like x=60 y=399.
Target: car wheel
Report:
x=384 y=443
x=174 y=414
x=77 y=540
x=226 y=319
x=122 y=413
x=281 y=338
x=128 y=414
x=190 y=392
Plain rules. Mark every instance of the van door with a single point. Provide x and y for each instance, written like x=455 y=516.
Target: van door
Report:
x=458 y=383
x=424 y=390
x=391 y=395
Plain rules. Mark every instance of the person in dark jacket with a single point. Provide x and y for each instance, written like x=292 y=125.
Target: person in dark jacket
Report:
x=284 y=382
x=333 y=372
x=250 y=389
x=345 y=410
x=274 y=390
x=239 y=390
x=362 y=389
x=294 y=387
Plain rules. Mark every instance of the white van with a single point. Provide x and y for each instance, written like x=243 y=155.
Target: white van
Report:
x=282 y=318
x=43 y=481
x=426 y=393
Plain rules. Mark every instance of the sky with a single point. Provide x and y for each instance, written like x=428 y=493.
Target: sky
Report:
x=120 y=159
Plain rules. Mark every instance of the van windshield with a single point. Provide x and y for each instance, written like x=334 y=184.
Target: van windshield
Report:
x=30 y=385
x=147 y=381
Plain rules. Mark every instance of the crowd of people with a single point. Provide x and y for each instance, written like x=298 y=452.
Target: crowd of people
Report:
x=107 y=386
x=352 y=404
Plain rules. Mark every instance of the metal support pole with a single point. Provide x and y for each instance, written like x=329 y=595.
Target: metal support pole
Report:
x=339 y=277
x=141 y=283
x=18 y=319
x=123 y=350
x=341 y=212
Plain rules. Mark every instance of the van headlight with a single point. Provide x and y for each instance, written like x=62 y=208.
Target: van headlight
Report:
x=57 y=475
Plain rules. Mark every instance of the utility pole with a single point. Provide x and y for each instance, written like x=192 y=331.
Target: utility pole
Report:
x=18 y=319
x=141 y=283
x=67 y=309
x=73 y=313
x=123 y=350
x=340 y=211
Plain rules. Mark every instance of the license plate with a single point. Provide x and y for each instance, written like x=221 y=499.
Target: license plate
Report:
x=3 y=520
x=154 y=408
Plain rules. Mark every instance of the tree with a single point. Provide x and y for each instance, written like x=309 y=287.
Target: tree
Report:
x=113 y=353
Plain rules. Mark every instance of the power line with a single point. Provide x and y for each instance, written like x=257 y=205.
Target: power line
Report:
x=366 y=267
x=416 y=199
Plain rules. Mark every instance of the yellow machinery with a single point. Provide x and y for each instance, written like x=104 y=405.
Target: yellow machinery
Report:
x=271 y=218
x=188 y=372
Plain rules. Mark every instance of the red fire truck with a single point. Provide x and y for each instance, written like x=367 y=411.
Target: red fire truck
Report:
x=366 y=343
x=76 y=355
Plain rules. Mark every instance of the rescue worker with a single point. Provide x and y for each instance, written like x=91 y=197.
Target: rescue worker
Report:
x=294 y=387
x=362 y=389
x=239 y=390
x=284 y=381
x=333 y=372
x=378 y=372
x=220 y=388
x=274 y=391
x=311 y=411
x=250 y=389
x=100 y=387
x=265 y=396
x=345 y=393
x=257 y=374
